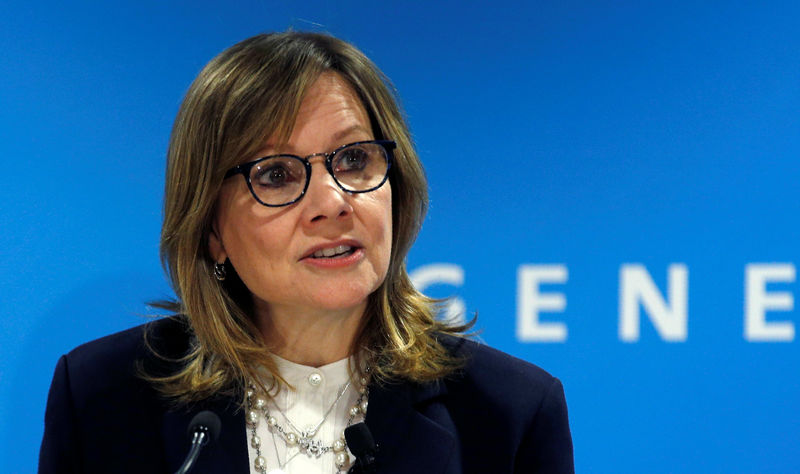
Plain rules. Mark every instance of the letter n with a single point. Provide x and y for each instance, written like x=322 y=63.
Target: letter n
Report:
x=637 y=290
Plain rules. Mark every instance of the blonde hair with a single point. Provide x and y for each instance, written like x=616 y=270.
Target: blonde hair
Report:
x=247 y=94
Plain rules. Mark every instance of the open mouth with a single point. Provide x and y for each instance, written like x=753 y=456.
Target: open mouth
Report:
x=335 y=252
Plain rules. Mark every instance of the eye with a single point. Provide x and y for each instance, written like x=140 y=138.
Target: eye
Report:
x=275 y=174
x=354 y=158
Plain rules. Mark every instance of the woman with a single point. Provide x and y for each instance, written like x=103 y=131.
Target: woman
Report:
x=293 y=195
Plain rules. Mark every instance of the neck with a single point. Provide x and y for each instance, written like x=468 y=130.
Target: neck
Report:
x=309 y=336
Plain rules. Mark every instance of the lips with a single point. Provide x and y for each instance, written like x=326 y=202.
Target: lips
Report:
x=330 y=250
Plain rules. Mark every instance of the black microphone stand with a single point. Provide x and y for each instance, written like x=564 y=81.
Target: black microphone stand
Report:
x=204 y=428
x=199 y=439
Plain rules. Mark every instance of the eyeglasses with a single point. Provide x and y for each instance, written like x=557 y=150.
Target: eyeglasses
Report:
x=280 y=180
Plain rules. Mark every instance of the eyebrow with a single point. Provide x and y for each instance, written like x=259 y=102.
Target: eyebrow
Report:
x=337 y=138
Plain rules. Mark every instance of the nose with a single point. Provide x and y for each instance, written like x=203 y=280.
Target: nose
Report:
x=324 y=200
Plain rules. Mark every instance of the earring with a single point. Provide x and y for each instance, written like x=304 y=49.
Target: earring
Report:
x=219 y=271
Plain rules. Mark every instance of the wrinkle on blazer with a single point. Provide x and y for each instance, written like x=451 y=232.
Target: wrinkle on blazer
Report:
x=498 y=414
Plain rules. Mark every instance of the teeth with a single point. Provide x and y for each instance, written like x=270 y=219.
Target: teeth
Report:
x=332 y=251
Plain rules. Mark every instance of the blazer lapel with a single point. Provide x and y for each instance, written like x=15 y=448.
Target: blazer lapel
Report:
x=413 y=431
x=228 y=454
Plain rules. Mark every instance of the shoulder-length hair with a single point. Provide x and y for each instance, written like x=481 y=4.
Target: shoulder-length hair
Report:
x=248 y=93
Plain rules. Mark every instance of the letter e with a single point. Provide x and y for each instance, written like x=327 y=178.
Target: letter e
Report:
x=758 y=301
x=530 y=302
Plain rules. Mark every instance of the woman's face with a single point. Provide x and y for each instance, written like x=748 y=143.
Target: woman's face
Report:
x=271 y=248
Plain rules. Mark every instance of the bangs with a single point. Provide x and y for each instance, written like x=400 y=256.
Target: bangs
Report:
x=260 y=95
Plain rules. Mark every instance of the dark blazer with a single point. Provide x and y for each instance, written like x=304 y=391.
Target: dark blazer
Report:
x=497 y=415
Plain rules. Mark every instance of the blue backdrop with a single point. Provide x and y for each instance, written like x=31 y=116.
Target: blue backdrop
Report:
x=614 y=189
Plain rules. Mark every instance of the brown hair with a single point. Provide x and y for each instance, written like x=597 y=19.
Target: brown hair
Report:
x=247 y=94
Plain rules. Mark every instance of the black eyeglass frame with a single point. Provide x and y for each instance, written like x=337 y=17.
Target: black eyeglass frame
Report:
x=244 y=169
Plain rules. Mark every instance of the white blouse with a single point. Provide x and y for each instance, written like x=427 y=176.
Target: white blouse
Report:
x=316 y=390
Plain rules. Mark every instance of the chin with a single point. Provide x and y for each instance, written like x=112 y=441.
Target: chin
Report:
x=336 y=304
x=338 y=298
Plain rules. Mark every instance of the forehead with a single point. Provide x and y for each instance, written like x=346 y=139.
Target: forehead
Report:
x=330 y=93
x=331 y=114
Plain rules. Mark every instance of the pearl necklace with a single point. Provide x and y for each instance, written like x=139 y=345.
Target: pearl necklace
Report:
x=304 y=439
x=305 y=435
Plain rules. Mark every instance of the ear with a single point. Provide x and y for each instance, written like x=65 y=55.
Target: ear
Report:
x=215 y=246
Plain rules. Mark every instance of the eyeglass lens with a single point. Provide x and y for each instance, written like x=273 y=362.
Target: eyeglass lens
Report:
x=282 y=179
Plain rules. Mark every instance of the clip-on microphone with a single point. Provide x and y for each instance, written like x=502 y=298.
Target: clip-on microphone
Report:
x=362 y=445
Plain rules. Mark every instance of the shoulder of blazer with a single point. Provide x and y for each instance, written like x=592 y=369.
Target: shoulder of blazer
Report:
x=511 y=388
x=114 y=402
x=100 y=411
x=495 y=392
x=109 y=366
x=485 y=362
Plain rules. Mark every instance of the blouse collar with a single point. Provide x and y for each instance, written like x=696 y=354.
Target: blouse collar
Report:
x=305 y=377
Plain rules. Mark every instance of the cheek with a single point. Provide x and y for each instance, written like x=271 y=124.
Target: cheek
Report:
x=389 y=219
x=251 y=236
x=261 y=264
x=384 y=223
